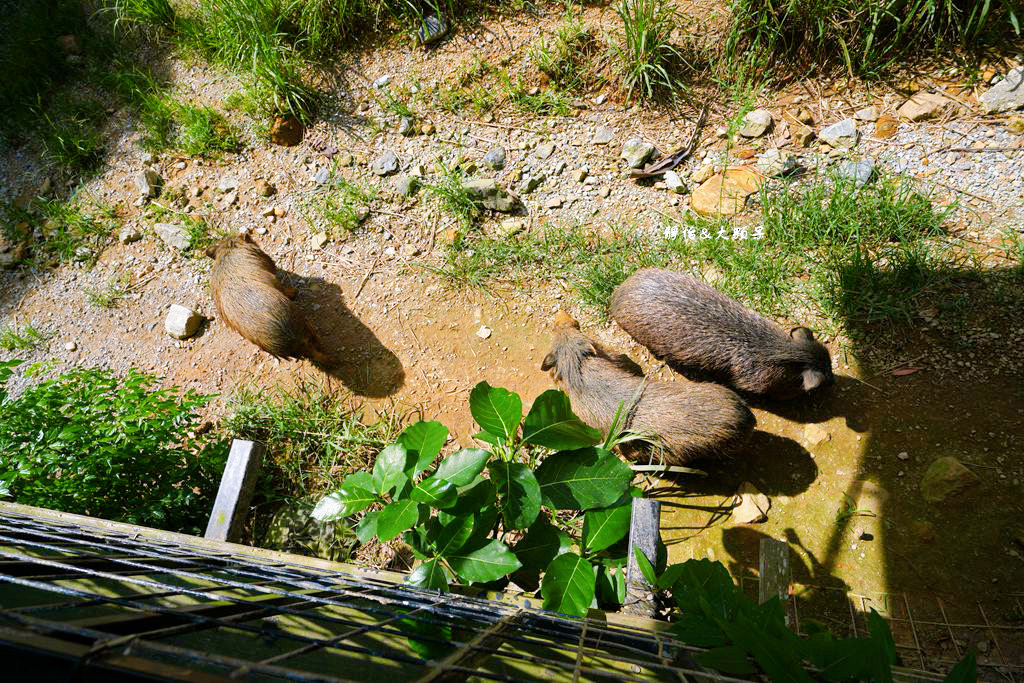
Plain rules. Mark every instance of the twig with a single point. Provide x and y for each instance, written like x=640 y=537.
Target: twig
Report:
x=980 y=149
x=369 y=272
x=976 y=464
x=482 y=139
x=667 y=468
x=899 y=364
x=495 y=125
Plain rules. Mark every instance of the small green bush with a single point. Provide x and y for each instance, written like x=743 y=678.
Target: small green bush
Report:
x=90 y=442
x=648 y=60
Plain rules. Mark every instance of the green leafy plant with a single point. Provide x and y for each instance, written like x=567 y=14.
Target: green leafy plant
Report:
x=567 y=58
x=74 y=230
x=119 y=448
x=453 y=197
x=340 y=206
x=465 y=527
x=647 y=58
x=25 y=338
x=143 y=13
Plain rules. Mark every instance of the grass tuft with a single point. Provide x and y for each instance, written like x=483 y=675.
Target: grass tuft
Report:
x=648 y=61
x=454 y=200
x=340 y=207
x=110 y=295
x=26 y=338
x=567 y=59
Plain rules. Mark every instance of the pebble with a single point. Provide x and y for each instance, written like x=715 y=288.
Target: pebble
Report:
x=484 y=332
x=495 y=158
x=756 y=123
x=385 y=164
x=636 y=152
x=843 y=134
x=603 y=135
x=70 y=346
x=545 y=150
x=382 y=81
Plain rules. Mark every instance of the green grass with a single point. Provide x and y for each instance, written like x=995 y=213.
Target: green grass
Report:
x=453 y=199
x=567 y=58
x=867 y=37
x=544 y=102
x=648 y=61
x=75 y=230
x=314 y=438
x=24 y=338
x=142 y=13
x=110 y=294
x=341 y=207
x=71 y=135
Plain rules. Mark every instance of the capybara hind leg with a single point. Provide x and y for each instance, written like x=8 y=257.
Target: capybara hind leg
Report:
x=288 y=290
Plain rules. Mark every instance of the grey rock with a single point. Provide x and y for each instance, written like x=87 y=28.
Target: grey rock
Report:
x=554 y=202
x=495 y=158
x=532 y=182
x=867 y=113
x=946 y=477
x=490 y=195
x=560 y=168
x=382 y=81
x=1006 y=95
x=433 y=29
x=600 y=99
x=544 y=150
x=129 y=235
x=173 y=235
x=318 y=240
x=756 y=123
x=775 y=162
x=636 y=152
x=181 y=322
x=406 y=127
x=321 y=176
x=264 y=189
x=148 y=183
x=674 y=183
x=603 y=135
x=406 y=185
x=843 y=134
x=385 y=164
x=860 y=172
x=227 y=185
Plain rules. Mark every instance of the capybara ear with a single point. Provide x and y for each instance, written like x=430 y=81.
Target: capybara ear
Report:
x=801 y=334
x=549 y=362
x=563 y=319
x=212 y=251
x=813 y=379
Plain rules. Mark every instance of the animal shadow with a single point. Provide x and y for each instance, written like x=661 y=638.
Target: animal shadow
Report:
x=844 y=398
x=777 y=466
x=355 y=355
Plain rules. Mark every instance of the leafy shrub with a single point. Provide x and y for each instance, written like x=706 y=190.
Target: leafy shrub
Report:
x=92 y=443
x=465 y=527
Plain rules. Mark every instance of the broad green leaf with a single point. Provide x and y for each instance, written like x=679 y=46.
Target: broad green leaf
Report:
x=396 y=517
x=611 y=587
x=453 y=535
x=582 y=479
x=541 y=544
x=367 y=527
x=881 y=635
x=708 y=580
x=487 y=437
x=779 y=663
x=518 y=493
x=729 y=660
x=498 y=411
x=436 y=493
x=389 y=469
x=430 y=575
x=425 y=439
x=431 y=641
x=362 y=479
x=486 y=563
x=568 y=585
x=552 y=424
x=645 y=566
x=966 y=671
x=462 y=468
x=345 y=501
x=606 y=526
x=669 y=577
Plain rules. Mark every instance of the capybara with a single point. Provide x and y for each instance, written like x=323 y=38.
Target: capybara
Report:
x=256 y=304
x=704 y=332
x=690 y=420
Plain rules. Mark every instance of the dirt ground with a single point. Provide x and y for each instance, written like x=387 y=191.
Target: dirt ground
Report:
x=405 y=342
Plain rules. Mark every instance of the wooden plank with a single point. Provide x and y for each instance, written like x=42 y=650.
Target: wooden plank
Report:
x=774 y=569
x=235 y=492
x=644 y=535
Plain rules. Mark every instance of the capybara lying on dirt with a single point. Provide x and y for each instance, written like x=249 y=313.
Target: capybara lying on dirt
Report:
x=690 y=419
x=256 y=304
x=701 y=330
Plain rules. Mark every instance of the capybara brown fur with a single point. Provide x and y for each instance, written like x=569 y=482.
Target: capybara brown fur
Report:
x=704 y=332
x=256 y=304
x=690 y=420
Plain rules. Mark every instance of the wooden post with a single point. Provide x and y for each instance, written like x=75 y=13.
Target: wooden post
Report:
x=774 y=569
x=235 y=492
x=644 y=534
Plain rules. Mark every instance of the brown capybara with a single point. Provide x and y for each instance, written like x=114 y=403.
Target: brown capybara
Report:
x=689 y=420
x=256 y=304
x=702 y=331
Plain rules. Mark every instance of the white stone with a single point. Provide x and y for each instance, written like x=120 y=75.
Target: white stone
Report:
x=181 y=322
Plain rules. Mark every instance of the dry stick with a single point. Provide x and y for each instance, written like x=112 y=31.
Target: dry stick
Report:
x=980 y=149
x=898 y=364
x=477 y=137
x=495 y=125
x=376 y=260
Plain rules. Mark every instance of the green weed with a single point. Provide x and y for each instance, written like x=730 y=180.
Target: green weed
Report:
x=454 y=200
x=74 y=230
x=647 y=59
x=143 y=13
x=109 y=295
x=24 y=338
x=72 y=137
x=340 y=207
x=567 y=58
x=542 y=103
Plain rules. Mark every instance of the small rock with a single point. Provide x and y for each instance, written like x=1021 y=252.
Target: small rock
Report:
x=148 y=158
x=70 y=346
x=603 y=135
x=702 y=174
x=264 y=189
x=433 y=29
x=495 y=158
x=903 y=455
x=751 y=506
x=560 y=167
x=804 y=117
x=860 y=172
x=280 y=211
x=127 y=235
x=1015 y=125
x=231 y=198
x=816 y=434
x=945 y=477
x=385 y=164
x=261 y=231
x=489 y=194
x=409 y=251
x=173 y=235
x=1006 y=95
x=674 y=183
x=544 y=150
x=600 y=99
x=886 y=126
x=318 y=240
x=725 y=194
x=554 y=202
x=532 y=182
x=148 y=183
x=227 y=185
x=509 y=228
x=406 y=185
x=269 y=211
x=775 y=162
x=321 y=176
x=636 y=152
x=580 y=175
x=604 y=192
x=287 y=131
x=843 y=134
x=484 y=332
x=382 y=81
x=867 y=113
x=406 y=127
x=427 y=129
x=802 y=135
x=923 y=106
x=756 y=123
x=181 y=322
